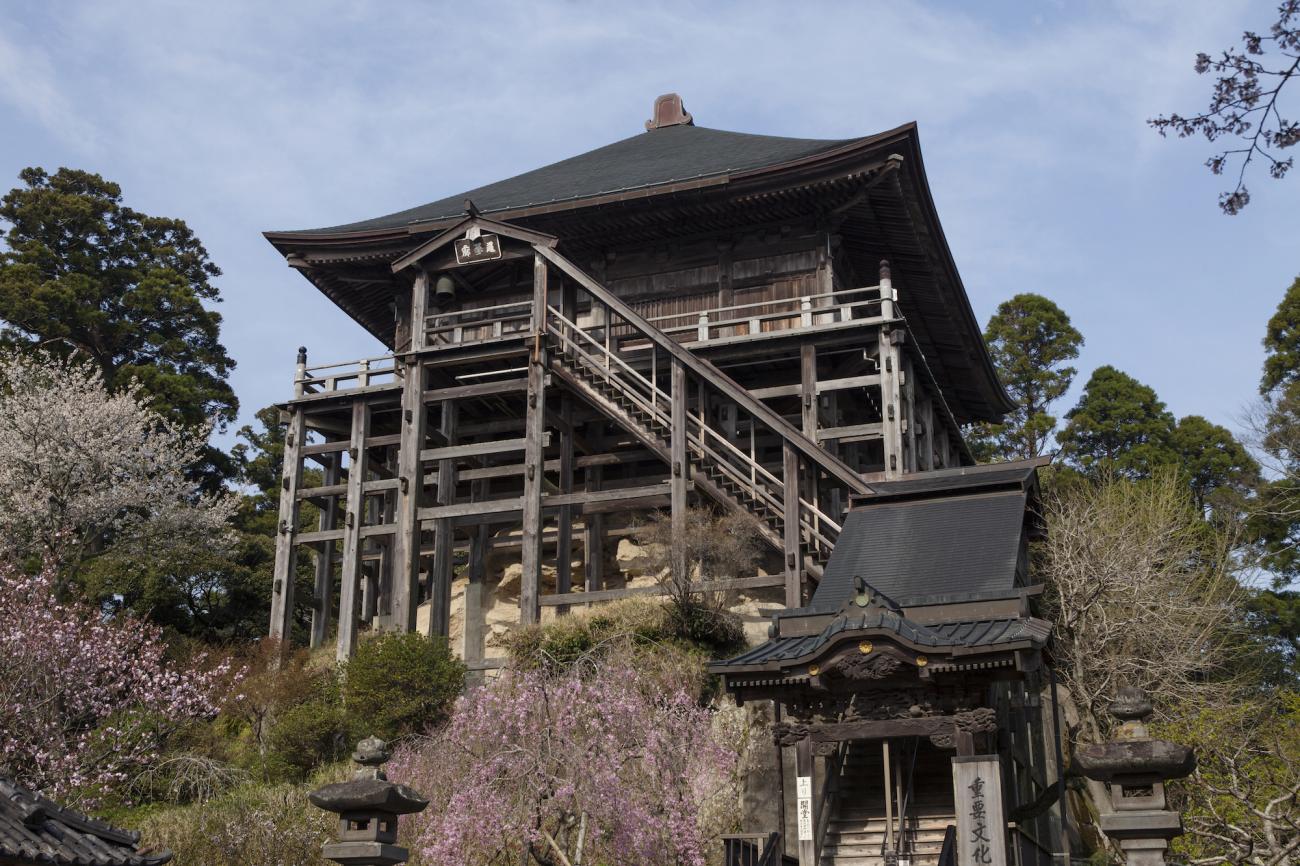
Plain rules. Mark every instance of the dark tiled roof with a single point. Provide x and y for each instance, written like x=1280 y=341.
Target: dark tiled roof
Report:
x=960 y=633
x=1020 y=474
x=927 y=551
x=36 y=830
x=671 y=154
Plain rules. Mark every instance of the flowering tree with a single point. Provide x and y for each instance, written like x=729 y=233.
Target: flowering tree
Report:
x=83 y=470
x=606 y=767
x=86 y=703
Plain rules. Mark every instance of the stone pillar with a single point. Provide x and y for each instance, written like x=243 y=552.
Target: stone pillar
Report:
x=1136 y=767
x=368 y=807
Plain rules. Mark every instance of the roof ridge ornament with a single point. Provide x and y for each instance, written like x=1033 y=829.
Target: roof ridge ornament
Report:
x=669 y=111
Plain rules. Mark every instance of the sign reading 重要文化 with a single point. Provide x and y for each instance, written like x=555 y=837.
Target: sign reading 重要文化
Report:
x=981 y=822
x=804 y=792
x=480 y=249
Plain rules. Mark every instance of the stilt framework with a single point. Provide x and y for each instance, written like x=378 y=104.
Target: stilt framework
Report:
x=525 y=426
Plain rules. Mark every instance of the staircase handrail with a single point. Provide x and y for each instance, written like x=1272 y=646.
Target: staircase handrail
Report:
x=704 y=369
x=565 y=330
x=827 y=797
x=948 y=853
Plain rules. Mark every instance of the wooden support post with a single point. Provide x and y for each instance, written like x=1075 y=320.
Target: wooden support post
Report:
x=440 y=571
x=945 y=451
x=593 y=537
x=890 y=395
x=909 y=416
x=419 y=309
x=286 y=551
x=475 y=624
x=534 y=457
x=410 y=475
x=927 y=434
x=793 y=567
x=350 y=576
x=887 y=761
x=806 y=801
x=679 y=473
x=808 y=388
x=564 y=541
x=324 y=588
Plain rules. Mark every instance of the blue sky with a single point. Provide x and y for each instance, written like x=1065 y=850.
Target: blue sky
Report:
x=246 y=116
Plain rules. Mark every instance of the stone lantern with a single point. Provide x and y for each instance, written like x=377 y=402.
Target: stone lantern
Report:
x=368 y=806
x=1136 y=767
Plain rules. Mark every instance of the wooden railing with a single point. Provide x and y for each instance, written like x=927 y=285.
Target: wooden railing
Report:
x=754 y=849
x=710 y=448
x=344 y=375
x=767 y=316
x=446 y=330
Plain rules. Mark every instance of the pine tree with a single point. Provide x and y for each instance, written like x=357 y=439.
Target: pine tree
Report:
x=86 y=276
x=1030 y=339
x=1119 y=425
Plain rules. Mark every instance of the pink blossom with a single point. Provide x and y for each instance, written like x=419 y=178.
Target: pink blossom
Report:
x=85 y=703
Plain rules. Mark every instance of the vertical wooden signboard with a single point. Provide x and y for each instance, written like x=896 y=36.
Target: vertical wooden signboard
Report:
x=981 y=822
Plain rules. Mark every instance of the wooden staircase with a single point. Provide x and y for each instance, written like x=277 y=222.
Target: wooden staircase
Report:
x=856 y=833
x=641 y=403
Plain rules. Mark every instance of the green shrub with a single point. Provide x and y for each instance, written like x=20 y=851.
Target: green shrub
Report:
x=253 y=825
x=308 y=733
x=400 y=684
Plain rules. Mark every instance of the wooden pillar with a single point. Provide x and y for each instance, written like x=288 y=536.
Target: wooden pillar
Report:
x=593 y=537
x=909 y=415
x=927 y=434
x=534 y=456
x=350 y=576
x=944 y=450
x=679 y=471
x=808 y=388
x=410 y=474
x=419 y=309
x=444 y=544
x=475 y=624
x=890 y=396
x=793 y=568
x=564 y=540
x=805 y=801
x=286 y=551
x=324 y=589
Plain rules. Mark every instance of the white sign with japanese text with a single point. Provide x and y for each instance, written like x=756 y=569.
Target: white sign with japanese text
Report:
x=981 y=821
x=803 y=789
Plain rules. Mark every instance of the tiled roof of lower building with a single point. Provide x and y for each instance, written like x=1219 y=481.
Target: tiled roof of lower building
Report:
x=34 y=829
x=971 y=633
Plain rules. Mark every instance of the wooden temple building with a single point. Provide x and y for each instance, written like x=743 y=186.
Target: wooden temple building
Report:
x=691 y=317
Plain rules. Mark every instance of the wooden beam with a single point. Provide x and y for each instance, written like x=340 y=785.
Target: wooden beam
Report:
x=350 y=577
x=593 y=536
x=471 y=509
x=534 y=472
x=909 y=414
x=791 y=535
x=440 y=570
x=475 y=449
x=286 y=552
x=732 y=584
x=852 y=433
x=890 y=396
x=410 y=472
x=564 y=542
x=516 y=385
x=808 y=388
x=324 y=585
x=805 y=768
x=680 y=472
x=419 y=309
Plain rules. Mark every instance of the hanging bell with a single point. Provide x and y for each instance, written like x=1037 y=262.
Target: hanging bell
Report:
x=444 y=291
